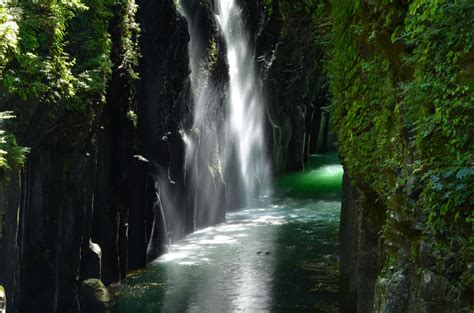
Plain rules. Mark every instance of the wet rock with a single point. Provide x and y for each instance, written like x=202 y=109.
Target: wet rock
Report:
x=158 y=240
x=425 y=255
x=349 y=243
x=137 y=228
x=94 y=297
x=212 y=180
x=392 y=292
x=10 y=197
x=295 y=149
x=433 y=286
x=57 y=185
x=360 y=258
x=470 y=268
x=295 y=89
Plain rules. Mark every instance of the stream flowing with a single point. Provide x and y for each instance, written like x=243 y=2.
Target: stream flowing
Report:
x=279 y=256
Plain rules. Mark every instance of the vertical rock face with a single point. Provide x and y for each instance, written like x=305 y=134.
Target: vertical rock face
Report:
x=164 y=105
x=361 y=251
x=294 y=84
x=10 y=199
x=164 y=92
x=55 y=205
x=406 y=230
x=209 y=187
x=74 y=190
x=165 y=116
x=45 y=213
x=348 y=232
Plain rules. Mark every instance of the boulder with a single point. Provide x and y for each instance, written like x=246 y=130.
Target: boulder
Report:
x=3 y=300
x=94 y=296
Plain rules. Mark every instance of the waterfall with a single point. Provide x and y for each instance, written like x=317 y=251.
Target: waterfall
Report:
x=227 y=138
x=246 y=108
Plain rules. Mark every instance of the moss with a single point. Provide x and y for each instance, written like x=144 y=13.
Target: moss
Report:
x=56 y=63
x=94 y=296
x=405 y=111
x=212 y=54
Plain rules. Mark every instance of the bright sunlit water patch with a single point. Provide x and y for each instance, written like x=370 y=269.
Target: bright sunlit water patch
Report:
x=321 y=179
x=260 y=260
x=279 y=256
x=329 y=172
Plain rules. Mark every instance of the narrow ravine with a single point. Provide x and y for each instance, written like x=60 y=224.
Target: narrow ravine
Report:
x=279 y=256
x=170 y=156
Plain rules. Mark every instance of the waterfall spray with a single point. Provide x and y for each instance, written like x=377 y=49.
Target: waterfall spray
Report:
x=231 y=142
x=246 y=107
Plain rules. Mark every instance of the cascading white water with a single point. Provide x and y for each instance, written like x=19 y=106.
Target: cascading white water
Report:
x=228 y=144
x=246 y=110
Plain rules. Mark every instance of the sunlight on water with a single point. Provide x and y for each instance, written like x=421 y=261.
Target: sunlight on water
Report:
x=279 y=256
x=248 y=264
x=323 y=181
x=329 y=171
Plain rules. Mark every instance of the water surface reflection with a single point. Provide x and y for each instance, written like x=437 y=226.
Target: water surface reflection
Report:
x=279 y=256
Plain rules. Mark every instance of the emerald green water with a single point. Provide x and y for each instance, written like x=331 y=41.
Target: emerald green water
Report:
x=279 y=256
x=322 y=178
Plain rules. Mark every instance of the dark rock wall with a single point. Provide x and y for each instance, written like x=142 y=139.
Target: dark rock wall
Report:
x=293 y=82
x=46 y=204
x=348 y=232
x=56 y=199
x=367 y=283
x=10 y=199
x=361 y=248
x=406 y=240
x=185 y=158
x=67 y=210
x=115 y=183
x=212 y=183
x=77 y=192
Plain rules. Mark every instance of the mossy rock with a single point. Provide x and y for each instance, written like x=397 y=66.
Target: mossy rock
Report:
x=94 y=296
x=3 y=300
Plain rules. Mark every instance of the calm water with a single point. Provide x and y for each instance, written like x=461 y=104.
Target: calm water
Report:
x=280 y=256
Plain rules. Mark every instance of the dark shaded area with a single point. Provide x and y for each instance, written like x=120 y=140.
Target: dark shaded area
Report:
x=311 y=284
x=361 y=260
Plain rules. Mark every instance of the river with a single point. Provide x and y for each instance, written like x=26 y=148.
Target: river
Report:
x=281 y=255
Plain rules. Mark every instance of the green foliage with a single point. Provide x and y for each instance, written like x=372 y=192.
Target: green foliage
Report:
x=41 y=67
x=404 y=106
x=303 y=6
x=8 y=35
x=132 y=116
x=64 y=49
x=58 y=54
x=290 y=7
x=10 y=153
x=129 y=39
x=440 y=113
